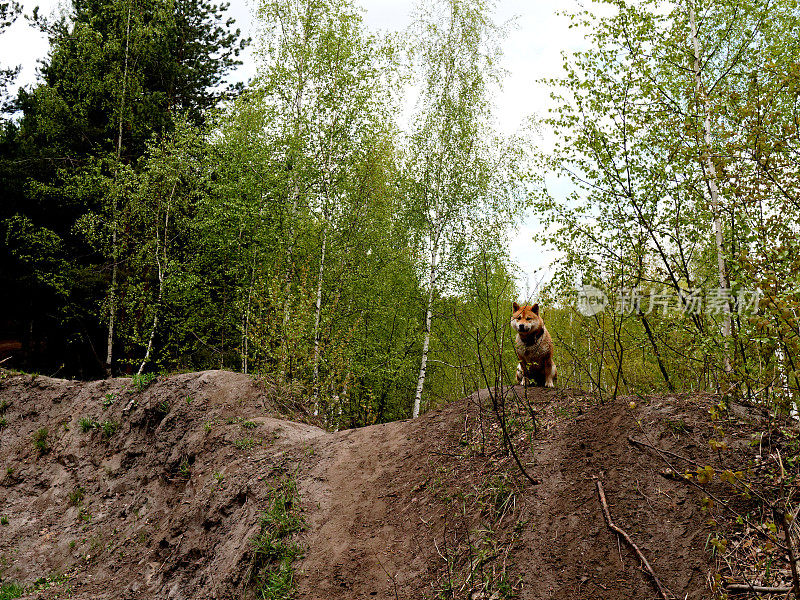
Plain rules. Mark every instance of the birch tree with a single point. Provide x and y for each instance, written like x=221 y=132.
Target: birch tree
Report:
x=173 y=178
x=327 y=83
x=661 y=126
x=112 y=292
x=710 y=174
x=448 y=149
x=351 y=113
x=290 y=33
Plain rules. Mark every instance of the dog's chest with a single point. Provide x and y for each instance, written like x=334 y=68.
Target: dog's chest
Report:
x=531 y=352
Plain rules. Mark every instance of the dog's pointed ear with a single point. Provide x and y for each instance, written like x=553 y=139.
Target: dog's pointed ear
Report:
x=535 y=308
x=514 y=307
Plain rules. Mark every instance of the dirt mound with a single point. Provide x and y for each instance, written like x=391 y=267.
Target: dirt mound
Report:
x=113 y=490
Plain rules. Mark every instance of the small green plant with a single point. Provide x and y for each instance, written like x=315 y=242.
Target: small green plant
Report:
x=109 y=399
x=40 y=440
x=189 y=399
x=10 y=590
x=109 y=428
x=4 y=405
x=87 y=425
x=249 y=424
x=4 y=520
x=677 y=426
x=274 y=548
x=76 y=496
x=45 y=583
x=208 y=425
x=3 y=422
x=185 y=469
x=163 y=407
x=246 y=443
x=140 y=382
x=10 y=471
x=219 y=478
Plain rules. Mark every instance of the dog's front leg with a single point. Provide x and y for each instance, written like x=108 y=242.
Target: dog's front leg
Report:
x=550 y=373
x=521 y=378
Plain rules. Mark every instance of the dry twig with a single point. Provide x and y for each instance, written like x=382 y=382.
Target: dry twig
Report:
x=636 y=442
x=741 y=588
x=629 y=541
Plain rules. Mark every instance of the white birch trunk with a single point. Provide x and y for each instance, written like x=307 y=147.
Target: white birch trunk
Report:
x=161 y=268
x=711 y=181
x=246 y=317
x=426 y=342
x=112 y=299
x=155 y=319
x=112 y=309
x=295 y=200
x=318 y=312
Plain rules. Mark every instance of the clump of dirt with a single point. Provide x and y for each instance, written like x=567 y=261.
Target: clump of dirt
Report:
x=111 y=489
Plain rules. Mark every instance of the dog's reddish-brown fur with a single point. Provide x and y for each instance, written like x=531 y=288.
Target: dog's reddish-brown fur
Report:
x=534 y=347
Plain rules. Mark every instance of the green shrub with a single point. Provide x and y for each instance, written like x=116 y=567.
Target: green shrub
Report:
x=140 y=382
x=87 y=425
x=274 y=549
x=109 y=428
x=8 y=591
x=76 y=496
x=40 y=440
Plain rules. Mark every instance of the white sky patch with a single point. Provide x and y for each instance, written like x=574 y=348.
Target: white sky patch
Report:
x=531 y=51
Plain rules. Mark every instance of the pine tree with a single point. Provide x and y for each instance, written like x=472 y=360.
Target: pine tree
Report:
x=118 y=73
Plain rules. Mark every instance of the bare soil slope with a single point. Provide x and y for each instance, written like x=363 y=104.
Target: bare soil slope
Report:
x=165 y=504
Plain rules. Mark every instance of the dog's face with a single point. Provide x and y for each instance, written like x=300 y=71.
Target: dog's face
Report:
x=526 y=319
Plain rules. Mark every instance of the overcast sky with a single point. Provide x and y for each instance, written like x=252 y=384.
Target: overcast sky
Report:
x=532 y=50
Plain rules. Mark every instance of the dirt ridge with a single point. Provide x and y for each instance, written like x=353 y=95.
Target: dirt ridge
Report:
x=165 y=506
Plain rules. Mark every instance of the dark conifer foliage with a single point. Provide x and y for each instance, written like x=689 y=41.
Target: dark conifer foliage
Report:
x=118 y=73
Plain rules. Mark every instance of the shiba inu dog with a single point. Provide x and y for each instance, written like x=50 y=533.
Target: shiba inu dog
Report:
x=534 y=347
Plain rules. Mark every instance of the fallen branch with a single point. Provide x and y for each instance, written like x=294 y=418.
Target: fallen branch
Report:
x=629 y=541
x=636 y=442
x=741 y=588
x=792 y=559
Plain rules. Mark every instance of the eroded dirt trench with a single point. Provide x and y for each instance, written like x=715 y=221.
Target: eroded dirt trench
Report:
x=165 y=506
